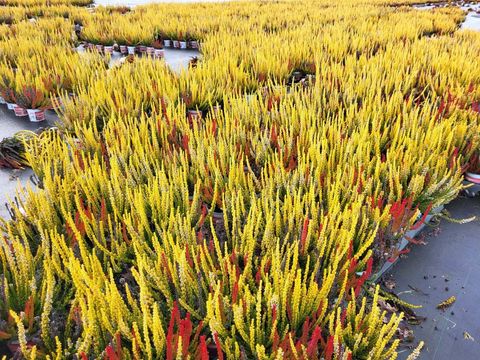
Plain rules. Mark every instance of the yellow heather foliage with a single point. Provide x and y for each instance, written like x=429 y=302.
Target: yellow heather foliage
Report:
x=236 y=208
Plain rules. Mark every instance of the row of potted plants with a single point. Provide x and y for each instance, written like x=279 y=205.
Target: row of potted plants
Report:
x=131 y=47
x=24 y=98
x=155 y=50
x=38 y=82
x=35 y=110
x=52 y=3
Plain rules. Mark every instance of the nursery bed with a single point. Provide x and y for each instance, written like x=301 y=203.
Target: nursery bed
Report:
x=158 y=189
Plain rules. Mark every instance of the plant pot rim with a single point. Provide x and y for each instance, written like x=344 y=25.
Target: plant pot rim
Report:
x=472 y=175
x=472 y=179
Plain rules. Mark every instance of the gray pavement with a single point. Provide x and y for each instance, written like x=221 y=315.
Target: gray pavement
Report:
x=448 y=265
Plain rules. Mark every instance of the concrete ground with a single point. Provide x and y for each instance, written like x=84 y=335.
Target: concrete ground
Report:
x=448 y=265
x=178 y=59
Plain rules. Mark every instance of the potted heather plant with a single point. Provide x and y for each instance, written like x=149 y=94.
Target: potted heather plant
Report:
x=157 y=46
x=131 y=44
x=192 y=42
x=182 y=40
x=175 y=40
x=150 y=50
x=142 y=49
x=473 y=170
x=108 y=43
x=93 y=42
x=163 y=38
x=6 y=85
x=196 y=105
x=143 y=42
x=9 y=97
x=19 y=110
x=34 y=101
x=122 y=46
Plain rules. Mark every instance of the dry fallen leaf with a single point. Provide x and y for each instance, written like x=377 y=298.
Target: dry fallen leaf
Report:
x=445 y=304
x=405 y=334
x=386 y=306
x=467 y=336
